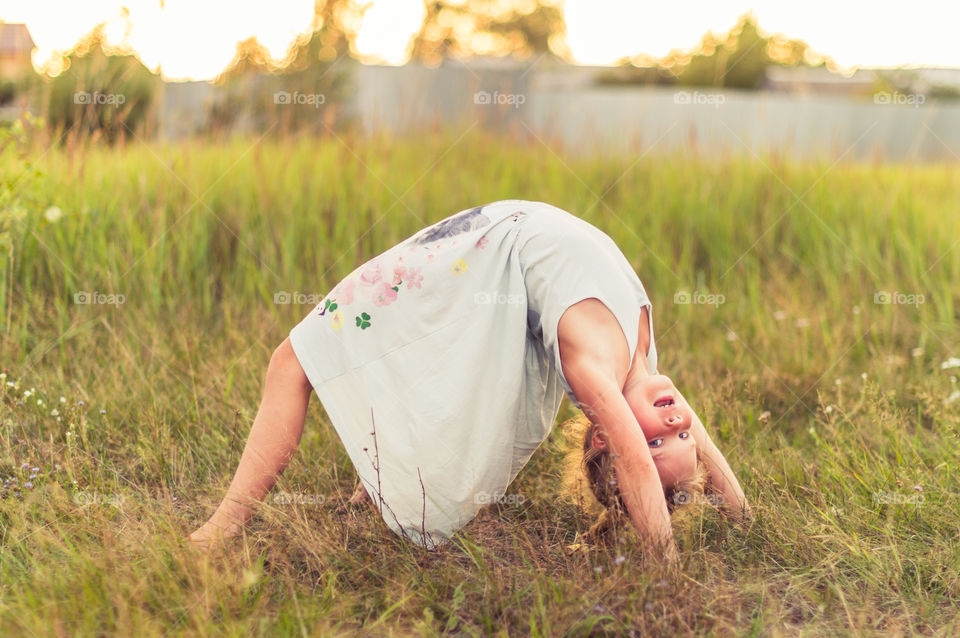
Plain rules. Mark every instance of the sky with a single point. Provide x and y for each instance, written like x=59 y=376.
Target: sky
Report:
x=196 y=39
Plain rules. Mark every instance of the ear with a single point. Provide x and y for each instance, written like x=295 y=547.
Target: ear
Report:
x=596 y=440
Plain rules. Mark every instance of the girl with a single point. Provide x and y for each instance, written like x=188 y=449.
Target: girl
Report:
x=442 y=363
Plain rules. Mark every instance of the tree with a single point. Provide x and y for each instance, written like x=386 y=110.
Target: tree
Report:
x=738 y=58
x=463 y=29
x=101 y=91
x=315 y=66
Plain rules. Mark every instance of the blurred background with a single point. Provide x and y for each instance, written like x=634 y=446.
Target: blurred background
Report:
x=596 y=76
x=182 y=181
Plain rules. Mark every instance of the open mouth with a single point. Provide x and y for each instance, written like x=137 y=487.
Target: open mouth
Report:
x=663 y=402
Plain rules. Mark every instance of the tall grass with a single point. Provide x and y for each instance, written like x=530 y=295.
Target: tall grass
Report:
x=833 y=408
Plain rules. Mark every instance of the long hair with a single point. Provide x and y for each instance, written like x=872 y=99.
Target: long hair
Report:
x=591 y=482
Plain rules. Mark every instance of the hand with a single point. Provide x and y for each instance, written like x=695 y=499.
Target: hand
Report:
x=741 y=514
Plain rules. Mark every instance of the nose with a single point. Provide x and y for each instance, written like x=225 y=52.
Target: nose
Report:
x=674 y=420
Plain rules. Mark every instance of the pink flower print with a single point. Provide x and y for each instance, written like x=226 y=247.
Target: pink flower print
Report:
x=371 y=274
x=414 y=278
x=343 y=294
x=399 y=273
x=384 y=294
x=482 y=242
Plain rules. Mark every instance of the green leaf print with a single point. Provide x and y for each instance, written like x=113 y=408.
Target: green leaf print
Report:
x=363 y=321
x=328 y=305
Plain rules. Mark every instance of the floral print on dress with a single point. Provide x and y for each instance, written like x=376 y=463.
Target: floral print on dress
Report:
x=385 y=294
x=455 y=225
x=372 y=283
x=344 y=292
x=380 y=282
x=414 y=278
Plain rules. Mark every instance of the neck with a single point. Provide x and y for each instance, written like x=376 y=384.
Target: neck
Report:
x=639 y=370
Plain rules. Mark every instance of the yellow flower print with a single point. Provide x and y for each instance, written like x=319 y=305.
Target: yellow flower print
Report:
x=459 y=267
x=336 y=320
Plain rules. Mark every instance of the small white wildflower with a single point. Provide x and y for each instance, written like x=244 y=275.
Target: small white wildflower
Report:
x=839 y=381
x=3 y=375
x=731 y=336
x=829 y=409
x=953 y=379
x=811 y=431
x=63 y=399
x=916 y=352
x=779 y=315
x=952 y=362
x=53 y=214
x=26 y=394
x=953 y=397
x=856 y=310
x=802 y=322
x=863 y=375
x=69 y=433
x=54 y=412
x=39 y=401
x=619 y=560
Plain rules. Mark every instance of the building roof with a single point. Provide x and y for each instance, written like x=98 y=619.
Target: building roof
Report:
x=15 y=38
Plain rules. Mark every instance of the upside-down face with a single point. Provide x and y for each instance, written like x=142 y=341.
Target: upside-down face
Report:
x=665 y=418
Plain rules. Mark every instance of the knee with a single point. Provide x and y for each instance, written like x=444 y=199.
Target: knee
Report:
x=285 y=367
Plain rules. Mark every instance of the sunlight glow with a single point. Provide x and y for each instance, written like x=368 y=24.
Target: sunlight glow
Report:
x=195 y=39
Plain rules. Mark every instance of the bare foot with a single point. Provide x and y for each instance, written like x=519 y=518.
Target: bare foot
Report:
x=210 y=534
x=360 y=495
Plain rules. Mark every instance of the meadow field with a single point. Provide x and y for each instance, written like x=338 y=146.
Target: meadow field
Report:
x=808 y=310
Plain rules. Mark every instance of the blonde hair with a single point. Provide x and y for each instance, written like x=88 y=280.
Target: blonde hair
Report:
x=591 y=482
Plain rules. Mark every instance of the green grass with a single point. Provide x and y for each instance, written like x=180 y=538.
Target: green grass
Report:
x=199 y=236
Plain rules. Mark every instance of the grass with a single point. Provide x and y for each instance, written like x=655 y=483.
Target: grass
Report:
x=853 y=478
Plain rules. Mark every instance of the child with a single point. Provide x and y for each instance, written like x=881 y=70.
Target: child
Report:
x=442 y=363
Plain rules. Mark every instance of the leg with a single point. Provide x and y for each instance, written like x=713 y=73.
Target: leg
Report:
x=273 y=439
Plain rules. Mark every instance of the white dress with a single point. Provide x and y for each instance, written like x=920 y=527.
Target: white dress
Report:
x=438 y=362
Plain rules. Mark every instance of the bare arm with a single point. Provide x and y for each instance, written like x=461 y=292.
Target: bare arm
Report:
x=601 y=399
x=733 y=500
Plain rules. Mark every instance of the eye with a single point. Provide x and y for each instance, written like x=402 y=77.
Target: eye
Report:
x=656 y=443
x=684 y=435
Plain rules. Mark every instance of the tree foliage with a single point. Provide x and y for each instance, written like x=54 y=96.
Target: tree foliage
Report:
x=101 y=91
x=737 y=59
x=462 y=29
x=317 y=64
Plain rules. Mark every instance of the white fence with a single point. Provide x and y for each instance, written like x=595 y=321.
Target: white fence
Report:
x=561 y=106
